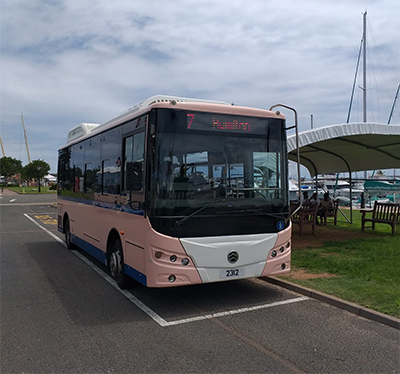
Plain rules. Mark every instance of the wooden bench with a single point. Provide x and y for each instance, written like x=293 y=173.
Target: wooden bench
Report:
x=381 y=213
x=305 y=216
x=331 y=213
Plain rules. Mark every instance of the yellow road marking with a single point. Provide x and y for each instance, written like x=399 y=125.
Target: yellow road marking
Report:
x=46 y=219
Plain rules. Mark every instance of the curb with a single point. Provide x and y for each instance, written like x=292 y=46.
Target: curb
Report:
x=339 y=303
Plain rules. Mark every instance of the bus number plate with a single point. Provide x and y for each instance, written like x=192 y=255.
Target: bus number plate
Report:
x=231 y=273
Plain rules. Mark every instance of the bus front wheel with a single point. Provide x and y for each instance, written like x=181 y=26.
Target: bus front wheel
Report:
x=116 y=265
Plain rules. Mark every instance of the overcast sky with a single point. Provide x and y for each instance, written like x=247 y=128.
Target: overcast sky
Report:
x=69 y=61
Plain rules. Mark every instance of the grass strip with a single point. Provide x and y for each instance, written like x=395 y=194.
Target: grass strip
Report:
x=365 y=271
x=31 y=190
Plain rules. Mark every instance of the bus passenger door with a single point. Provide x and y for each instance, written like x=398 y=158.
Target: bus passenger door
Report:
x=133 y=188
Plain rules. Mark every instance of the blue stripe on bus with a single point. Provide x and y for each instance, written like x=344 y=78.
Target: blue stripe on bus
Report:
x=136 y=275
x=102 y=257
x=90 y=249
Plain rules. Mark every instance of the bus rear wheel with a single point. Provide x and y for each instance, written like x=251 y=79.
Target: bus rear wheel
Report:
x=116 y=265
x=67 y=233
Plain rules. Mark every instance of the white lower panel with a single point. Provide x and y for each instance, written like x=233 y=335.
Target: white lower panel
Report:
x=210 y=255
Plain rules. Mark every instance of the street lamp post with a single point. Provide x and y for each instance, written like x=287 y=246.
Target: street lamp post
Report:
x=39 y=169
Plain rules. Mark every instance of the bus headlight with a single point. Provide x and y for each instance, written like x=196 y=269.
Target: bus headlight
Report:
x=172 y=258
x=172 y=278
x=273 y=253
x=158 y=255
x=185 y=262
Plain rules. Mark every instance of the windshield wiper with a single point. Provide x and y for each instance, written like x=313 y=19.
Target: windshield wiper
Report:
x=257 y=211
x=280 y=216
x=179 y=223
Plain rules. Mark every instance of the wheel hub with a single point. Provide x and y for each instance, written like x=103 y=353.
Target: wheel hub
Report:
x=115 y=264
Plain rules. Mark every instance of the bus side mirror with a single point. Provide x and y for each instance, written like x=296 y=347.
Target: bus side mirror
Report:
x=134 y=176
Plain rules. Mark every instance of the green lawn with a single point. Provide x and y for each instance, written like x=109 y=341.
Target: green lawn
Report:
x=366 y=269
x=31 y=190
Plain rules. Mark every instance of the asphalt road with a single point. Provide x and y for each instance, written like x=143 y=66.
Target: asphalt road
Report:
x=61 y=313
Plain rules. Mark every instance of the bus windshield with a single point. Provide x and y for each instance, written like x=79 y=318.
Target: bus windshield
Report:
x=208 y=165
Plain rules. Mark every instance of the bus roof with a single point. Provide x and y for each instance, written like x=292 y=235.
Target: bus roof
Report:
x=164 y=101
x=80 y=130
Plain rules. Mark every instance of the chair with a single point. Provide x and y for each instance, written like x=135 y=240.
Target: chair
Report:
x=305 y=216
x=332 y=212
x=381 y=213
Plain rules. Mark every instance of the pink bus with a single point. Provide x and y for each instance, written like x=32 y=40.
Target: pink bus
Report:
x=179 y=191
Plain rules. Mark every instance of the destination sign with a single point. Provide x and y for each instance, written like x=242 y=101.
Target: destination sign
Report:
x=226 y=123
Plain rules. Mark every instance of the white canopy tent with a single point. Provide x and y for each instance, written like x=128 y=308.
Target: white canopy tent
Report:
x=50 y=178
x=347 y=147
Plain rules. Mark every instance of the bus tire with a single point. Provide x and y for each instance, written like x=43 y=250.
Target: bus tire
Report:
x=67 y=233
x=116 y=265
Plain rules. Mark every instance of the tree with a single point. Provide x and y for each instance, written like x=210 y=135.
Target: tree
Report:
x=9 y=166
x=37 y=169
x=27 y=174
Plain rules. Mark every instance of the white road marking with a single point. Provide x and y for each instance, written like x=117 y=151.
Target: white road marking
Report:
x=237 y=311
x=126 y=293
x=12 y=200
x=54 y=236
x=153 y=315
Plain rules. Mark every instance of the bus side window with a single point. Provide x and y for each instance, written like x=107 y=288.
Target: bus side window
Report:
x=133 y=162
x=111 y=161
x=88 y=178
x=134 y=176
x=110 y=178
x=64 y=169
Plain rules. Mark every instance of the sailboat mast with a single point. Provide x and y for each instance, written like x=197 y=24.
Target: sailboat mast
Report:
x=394 y=104
x=26 y=139
x=355 y=81
x=2 y=147
x=365 y=66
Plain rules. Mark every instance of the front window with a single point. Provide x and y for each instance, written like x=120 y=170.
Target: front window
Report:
x=216 y=173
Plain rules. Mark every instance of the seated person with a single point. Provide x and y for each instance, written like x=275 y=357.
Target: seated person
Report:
x=305 y=198
x=181 y=184
x=325 y=204
x=314 y=199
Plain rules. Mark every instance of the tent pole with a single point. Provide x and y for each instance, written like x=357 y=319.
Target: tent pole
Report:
x=351 y=198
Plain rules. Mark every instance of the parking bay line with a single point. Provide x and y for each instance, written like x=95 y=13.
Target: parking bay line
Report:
x=237 y=311
x=153 y=315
